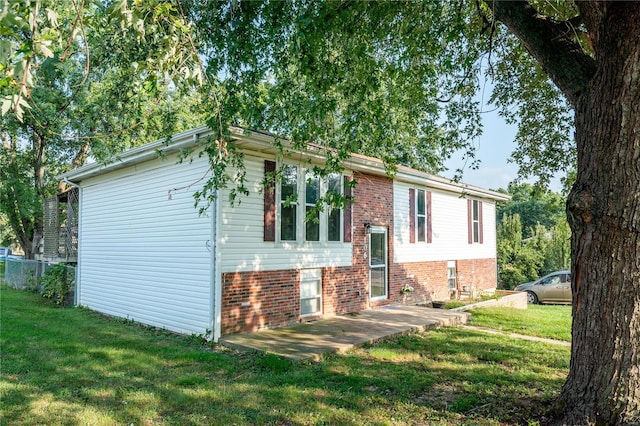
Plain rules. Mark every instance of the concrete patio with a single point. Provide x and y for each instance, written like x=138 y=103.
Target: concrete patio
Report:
x=343 y=332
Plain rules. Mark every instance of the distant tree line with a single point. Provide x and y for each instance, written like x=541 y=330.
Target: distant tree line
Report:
x=533 y=236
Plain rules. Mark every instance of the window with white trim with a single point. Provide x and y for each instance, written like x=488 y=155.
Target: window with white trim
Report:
x=312 y=214
x=475 y=220
x=451 y=274
x=304 y=220
x=288 y=203
x=334 y=216
x=421 y=215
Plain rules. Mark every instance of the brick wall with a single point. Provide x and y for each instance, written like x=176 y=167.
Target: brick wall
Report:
x=256 y=300
x=477 y=274
x=373 y=205
x=428 y=279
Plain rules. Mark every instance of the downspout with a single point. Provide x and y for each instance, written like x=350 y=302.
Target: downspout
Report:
x=76 y=293
x=217 y=274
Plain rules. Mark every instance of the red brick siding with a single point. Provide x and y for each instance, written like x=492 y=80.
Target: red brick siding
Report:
x=374 y=205
x=273 y=297
x=477 y=274
x=344 y=290
x=428 y=279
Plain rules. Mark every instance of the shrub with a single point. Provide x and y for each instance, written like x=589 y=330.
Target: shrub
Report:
x=57 y=283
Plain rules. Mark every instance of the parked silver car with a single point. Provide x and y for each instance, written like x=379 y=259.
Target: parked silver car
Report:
x=552 y=288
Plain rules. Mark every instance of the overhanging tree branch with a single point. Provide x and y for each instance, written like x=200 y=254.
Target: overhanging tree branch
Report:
x=551 y=43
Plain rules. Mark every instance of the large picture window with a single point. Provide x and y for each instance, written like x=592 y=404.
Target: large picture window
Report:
x=309 y=220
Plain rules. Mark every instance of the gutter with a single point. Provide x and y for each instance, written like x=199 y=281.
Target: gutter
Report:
x=138 y=155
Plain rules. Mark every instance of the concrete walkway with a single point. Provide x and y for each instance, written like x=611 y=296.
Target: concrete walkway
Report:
x=343 y=332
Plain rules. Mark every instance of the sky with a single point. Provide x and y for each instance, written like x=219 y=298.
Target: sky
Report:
x=494 y=148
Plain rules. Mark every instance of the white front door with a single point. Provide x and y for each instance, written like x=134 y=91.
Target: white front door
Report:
x=378 y=263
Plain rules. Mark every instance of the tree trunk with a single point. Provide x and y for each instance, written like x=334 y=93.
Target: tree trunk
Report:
x=603 y=208
x=603 y=386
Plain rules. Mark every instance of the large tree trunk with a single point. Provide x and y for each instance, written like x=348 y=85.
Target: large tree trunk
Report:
x=603 y=386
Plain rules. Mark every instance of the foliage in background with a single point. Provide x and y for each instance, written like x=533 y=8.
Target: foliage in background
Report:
x=533 y=236
x=85 y=80
x=535 y=205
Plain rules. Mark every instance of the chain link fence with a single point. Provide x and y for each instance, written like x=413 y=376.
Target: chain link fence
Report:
x=25 y=274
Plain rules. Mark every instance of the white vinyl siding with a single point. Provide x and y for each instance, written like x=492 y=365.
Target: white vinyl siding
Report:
x=242 y=244
x=449 y=221
x=144 y=256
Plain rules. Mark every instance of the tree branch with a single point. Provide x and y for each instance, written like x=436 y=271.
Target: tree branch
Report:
x=551 y=43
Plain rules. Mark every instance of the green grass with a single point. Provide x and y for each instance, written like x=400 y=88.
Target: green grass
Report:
x=549 y=321
x=72 y=366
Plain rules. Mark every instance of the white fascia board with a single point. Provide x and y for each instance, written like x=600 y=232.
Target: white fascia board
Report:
x=138 y=155
x=417 y=177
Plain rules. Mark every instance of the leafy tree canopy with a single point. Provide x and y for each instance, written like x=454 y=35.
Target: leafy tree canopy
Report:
x=532 y=235
x=372 y=77
x=534 y=205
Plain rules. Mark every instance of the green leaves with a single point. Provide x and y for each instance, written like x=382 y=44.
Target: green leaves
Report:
x=354 y=76
x=533 y=235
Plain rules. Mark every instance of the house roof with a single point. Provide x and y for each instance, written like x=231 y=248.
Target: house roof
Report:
x=263 y=142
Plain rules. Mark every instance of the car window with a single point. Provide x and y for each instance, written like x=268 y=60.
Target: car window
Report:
x=555 y=279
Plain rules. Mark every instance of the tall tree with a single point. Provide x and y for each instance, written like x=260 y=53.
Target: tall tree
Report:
x=517 y=261
x=534 y=205
x=594 y=59
x=396 y=80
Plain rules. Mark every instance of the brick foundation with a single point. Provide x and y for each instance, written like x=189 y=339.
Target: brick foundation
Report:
x=477 y=274
x=270 y=299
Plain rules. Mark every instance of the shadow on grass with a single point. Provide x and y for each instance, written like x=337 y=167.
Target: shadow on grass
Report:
x=72 y=366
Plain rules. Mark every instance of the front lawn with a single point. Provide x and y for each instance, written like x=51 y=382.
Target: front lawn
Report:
x=72 y=366
x=548 y=321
